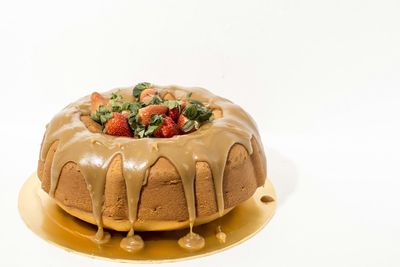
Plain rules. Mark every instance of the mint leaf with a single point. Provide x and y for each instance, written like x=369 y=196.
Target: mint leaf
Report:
x=140 y=131
x=104 y=118
x=133 y=121
x=171 y=104
x=95 y=116
x=116 y=107
x=151 y=129
x=155 y=122
x=155 y=100
x=102 y=115
x=125 y=106
x=102 y=109
x=156 y=119
x=116 y=102
x=133 y=107
x=116 y=97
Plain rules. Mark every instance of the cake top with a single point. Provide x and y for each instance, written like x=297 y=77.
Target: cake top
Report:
x=149 y=114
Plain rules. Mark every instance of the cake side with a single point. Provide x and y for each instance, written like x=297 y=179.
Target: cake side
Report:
x=241 y=178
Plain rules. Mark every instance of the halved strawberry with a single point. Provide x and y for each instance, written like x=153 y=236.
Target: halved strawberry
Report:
x=97 y=100
x=174 y=114
x=185 y=125
x=147 y=94
x=167 y=129
x=146 y=112
x=118 y=126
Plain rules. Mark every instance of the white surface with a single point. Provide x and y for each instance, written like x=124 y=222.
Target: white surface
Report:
x=321 y=78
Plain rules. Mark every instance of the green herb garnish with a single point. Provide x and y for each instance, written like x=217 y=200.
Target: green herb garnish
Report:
x=102 y=115
x=197 y=112
x=155 y=123
x=155 y=100
x=139 y=88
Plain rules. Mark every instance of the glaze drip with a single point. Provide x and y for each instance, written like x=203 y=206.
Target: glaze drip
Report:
x=93 y=152
x=132 y=242
x=191 y=241
x=221 y=236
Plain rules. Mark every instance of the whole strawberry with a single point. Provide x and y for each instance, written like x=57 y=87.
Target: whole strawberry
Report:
x=167 y=129
x=118 y=125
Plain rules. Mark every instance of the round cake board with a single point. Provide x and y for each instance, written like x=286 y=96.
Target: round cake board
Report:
x=42 y=215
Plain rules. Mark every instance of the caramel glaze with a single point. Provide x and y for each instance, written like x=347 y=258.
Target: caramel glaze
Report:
x=93 y=152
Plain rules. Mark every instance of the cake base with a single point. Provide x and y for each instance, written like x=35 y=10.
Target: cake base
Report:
x=46 y=219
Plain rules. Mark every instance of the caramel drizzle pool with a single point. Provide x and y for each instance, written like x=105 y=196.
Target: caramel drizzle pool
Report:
x=93 y=152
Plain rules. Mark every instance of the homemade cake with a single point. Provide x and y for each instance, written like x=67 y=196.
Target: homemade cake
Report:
x=151 y=158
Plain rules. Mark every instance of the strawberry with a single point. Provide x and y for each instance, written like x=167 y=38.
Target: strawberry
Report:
x=147 y=94
x=118 y=126
x=167 y=129
x=174 y=114
x=97 y=100
x=126 y=113
x=184 y=103
x=185 y=125
x=146 y=112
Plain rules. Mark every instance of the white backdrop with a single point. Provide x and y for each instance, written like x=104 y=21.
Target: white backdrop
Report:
x=321 y=78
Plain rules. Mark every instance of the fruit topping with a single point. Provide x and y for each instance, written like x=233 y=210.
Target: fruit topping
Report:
x=186 y=125
x=117 y=125
x=146 y=112
x=149 y=115
x=168 y=128
x=174 y=114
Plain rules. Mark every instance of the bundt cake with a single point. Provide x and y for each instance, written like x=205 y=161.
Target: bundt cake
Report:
x=151 y=158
